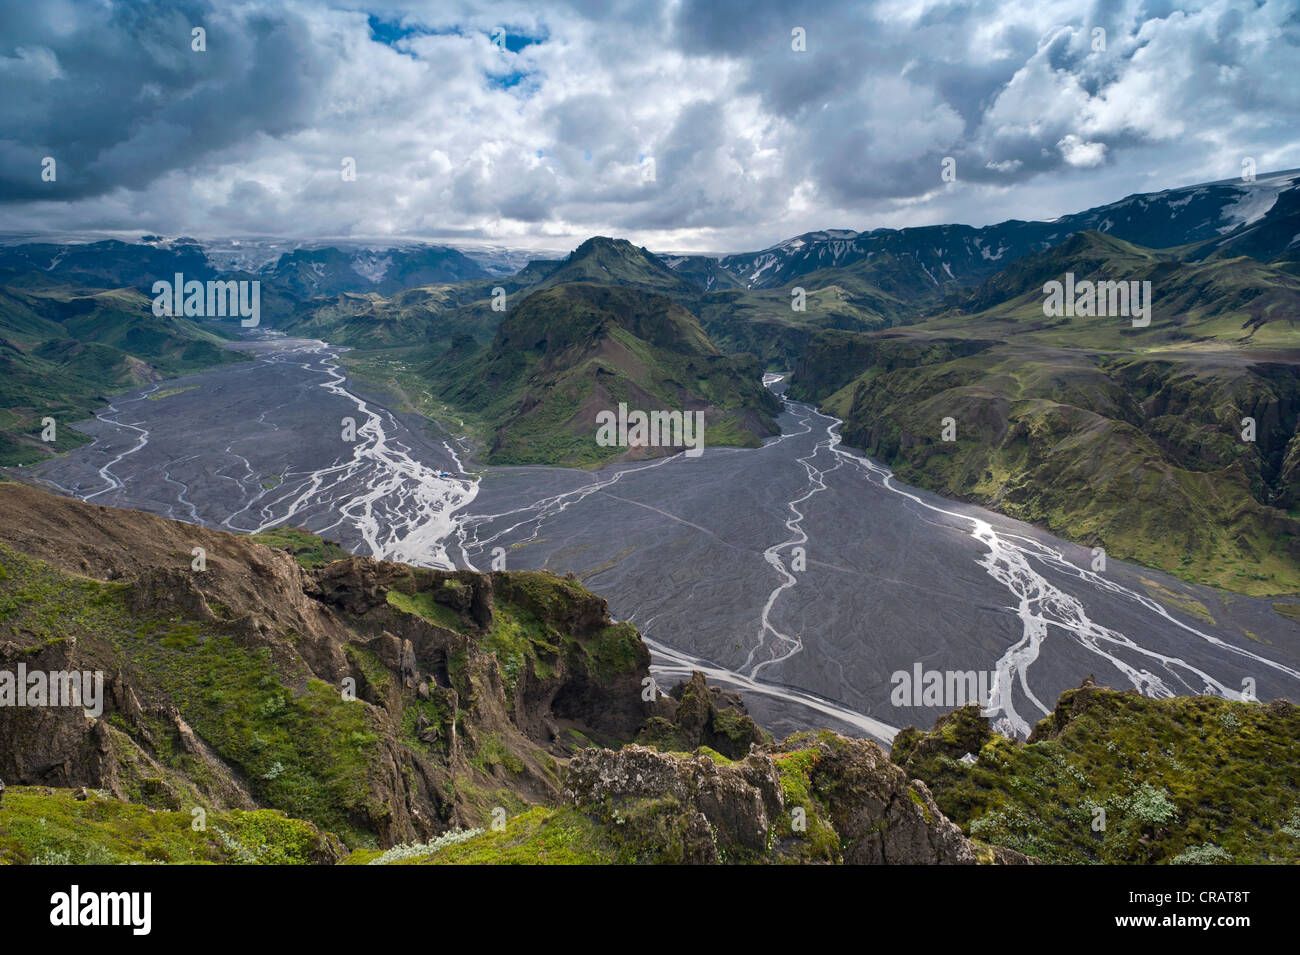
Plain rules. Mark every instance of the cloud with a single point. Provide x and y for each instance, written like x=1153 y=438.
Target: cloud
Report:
x=681 y=124
x=1078 y=153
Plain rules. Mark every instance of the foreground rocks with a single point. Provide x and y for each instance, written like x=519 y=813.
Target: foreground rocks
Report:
x=816 y=798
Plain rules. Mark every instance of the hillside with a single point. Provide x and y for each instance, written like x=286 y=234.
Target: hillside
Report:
x=477 y=696
x=65 y=349
x=1121 y=779
x=865 y=295
x=567 y=352
x=1107 y=434
x=1236 y=302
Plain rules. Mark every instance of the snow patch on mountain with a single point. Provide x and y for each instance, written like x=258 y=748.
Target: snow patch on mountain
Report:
x=1253 y=202
x=371 y=266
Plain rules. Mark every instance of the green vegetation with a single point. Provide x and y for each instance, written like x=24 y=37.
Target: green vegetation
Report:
x=169 y=392
x=58 y=828
x=307 y=549
x=302 y=748
x=819 y=841
x=423 y=604
x=539 y=836
x=1188 y=779
x=567 y=352
x=64 y=348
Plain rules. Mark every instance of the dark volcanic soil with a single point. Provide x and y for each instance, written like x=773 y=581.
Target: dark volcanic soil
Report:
x=699 y=553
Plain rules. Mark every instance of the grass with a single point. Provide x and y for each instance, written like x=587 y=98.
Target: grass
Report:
x=307 y=549
x=298 y=744
x=423 y=605
x=54 y=827
x=1172 y=777
x=538 y=836
x=169 y=392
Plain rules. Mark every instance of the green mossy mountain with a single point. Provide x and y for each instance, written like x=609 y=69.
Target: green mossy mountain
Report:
x=64 y=349
x=1106 y=434
x=566 y=353
x=605 y=261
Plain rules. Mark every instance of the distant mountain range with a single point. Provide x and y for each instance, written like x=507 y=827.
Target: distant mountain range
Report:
x=1224 y=218
x=1219 y=219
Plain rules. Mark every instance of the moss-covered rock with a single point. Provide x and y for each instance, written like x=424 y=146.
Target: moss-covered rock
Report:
x=1115 y=777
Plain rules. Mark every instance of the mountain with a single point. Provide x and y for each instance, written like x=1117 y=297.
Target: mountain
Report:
x=427 y=317
x=307 y=273
x=702 y=270
x=1232 y=301
x=863 y=281
x=1108 y=434
x=301 y=272
x=107 y=264
x=1231 y=216
x=607 y=261
x=567 y=352
x=65 y=349
x=868 y=294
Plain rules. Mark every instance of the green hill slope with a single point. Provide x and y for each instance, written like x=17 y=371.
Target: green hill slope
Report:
x=570 y=351
x=1107 y=434
x=1119 y=778
x=65 y=349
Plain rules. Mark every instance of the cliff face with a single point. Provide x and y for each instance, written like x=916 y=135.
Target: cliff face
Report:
x=375 y=704
x=232 y=686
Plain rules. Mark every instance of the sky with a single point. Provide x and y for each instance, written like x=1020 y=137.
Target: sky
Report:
x=708 y=126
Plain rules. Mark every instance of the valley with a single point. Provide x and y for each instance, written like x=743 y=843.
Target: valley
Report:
x=923 y=500
x=698 y=553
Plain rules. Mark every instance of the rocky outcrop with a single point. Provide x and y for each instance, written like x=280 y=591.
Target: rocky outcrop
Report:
x=956 y=735
x=816 y=797
x=695 y=714
x=419 y=700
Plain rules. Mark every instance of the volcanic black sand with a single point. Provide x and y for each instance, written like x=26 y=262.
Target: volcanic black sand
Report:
x=700 y=553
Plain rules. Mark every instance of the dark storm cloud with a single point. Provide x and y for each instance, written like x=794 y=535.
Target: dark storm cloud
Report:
x=117 y=97
x=691 y=123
